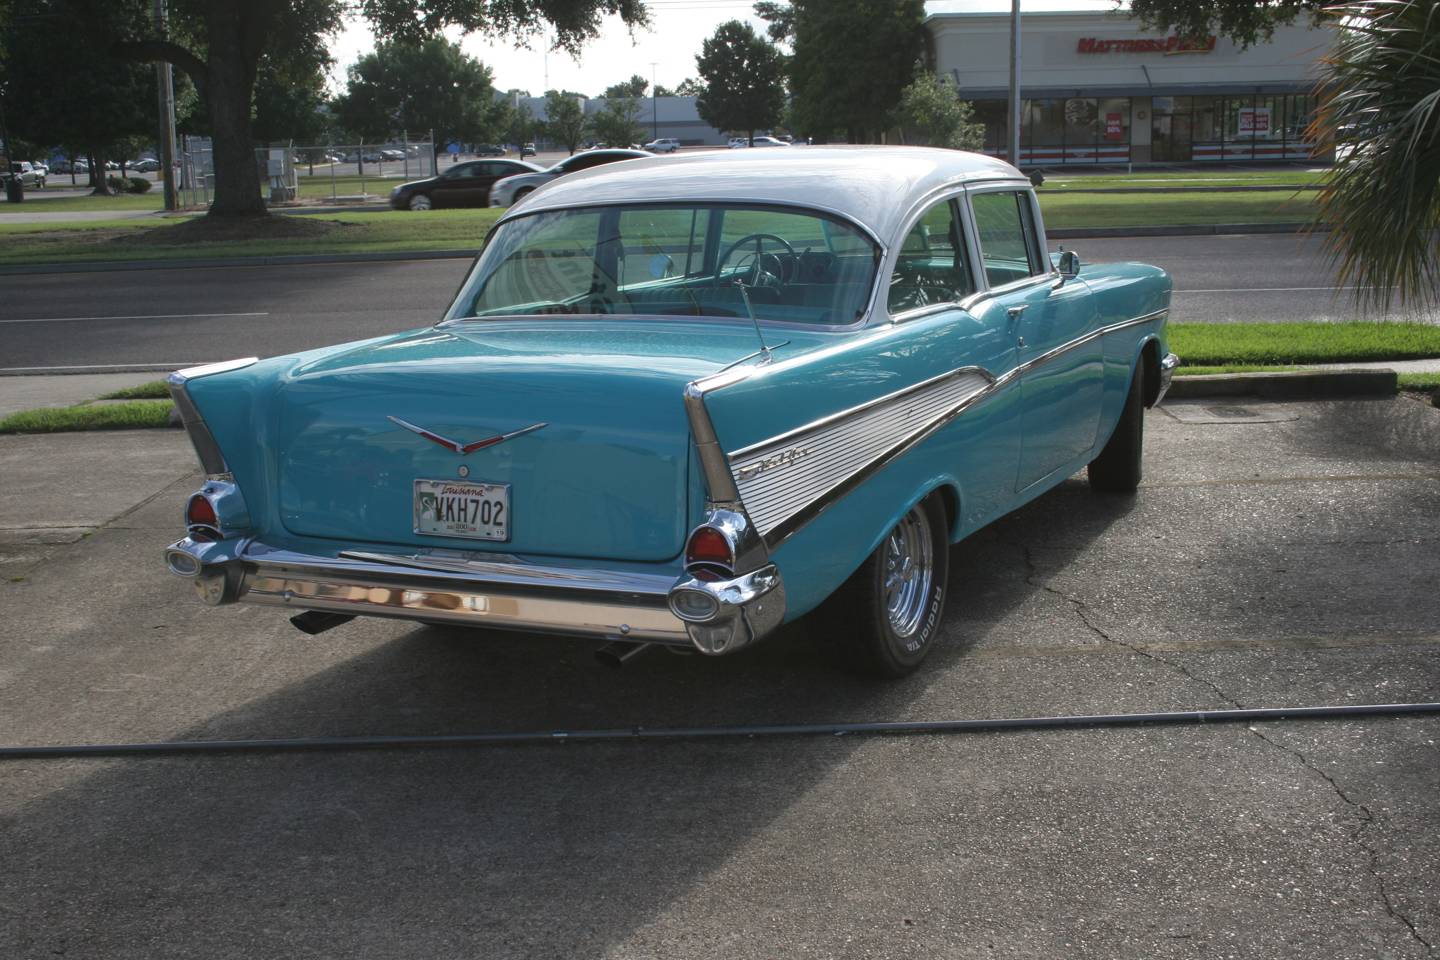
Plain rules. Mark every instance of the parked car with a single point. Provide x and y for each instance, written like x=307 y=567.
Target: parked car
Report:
x=145 y=165
x=41 y=166
x=489 y=150
x=736 y=143
x=527 y=150
x=25 y=173
x=462 y=185
x=768 y=142
x=663 y=145
x=514 y=189
x=686 y=400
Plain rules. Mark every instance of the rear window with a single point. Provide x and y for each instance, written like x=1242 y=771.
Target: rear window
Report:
x=792 y=265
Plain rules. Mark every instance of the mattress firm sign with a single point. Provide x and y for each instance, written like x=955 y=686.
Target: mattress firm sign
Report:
x=1170 y=46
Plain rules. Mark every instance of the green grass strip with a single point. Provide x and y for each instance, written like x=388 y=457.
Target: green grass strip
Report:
x=136 y=415
x=1420 y=382
x=154 y=390
x=1189 y=371
x=1222 y=344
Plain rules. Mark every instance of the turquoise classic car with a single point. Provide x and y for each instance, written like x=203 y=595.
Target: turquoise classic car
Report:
x=683 y=401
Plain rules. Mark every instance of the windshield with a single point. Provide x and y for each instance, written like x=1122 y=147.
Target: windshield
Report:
x=795 y=266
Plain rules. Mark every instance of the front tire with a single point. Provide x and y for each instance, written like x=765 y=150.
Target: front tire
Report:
x=887 y=615
x=1117 y=468
x=420 y=202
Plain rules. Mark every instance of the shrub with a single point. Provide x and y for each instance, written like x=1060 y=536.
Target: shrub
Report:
x=116 y=184
x=137 y=185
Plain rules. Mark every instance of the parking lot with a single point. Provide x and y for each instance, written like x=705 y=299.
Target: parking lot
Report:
x=1277 y=555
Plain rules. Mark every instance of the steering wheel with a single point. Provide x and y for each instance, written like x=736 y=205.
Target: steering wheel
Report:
x=759 y=266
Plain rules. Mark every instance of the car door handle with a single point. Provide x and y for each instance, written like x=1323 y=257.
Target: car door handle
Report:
x=1014 y=312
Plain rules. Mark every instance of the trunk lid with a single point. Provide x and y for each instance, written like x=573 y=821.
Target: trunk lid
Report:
x=607 y=476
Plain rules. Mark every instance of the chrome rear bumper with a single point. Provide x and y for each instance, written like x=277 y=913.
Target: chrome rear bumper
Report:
x=1167 y=373
x=501 y=594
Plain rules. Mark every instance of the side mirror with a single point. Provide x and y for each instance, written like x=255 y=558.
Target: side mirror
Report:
x=1069 y=265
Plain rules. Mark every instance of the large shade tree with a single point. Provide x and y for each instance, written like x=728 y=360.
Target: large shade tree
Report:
x=424 y=87
x=744 y=80
x=62 y=87
x=565 y=121
x=850 y=61
x=220 y=43
x=1246 y=22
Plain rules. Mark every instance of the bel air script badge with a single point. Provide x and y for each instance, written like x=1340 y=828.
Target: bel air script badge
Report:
x=457 y=446
x=782 y=459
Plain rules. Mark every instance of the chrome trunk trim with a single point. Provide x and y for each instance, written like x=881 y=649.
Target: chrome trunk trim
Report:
x=207 y=451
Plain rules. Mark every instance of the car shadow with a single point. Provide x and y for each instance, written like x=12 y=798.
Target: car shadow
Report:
x=555 y=850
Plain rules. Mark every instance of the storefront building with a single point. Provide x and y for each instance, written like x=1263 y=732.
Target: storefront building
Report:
x=1098 y=88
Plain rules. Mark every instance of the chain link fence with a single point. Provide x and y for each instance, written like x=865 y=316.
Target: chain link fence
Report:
x=338 y=173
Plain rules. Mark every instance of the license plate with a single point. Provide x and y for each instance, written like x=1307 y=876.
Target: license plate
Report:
x=477 y=511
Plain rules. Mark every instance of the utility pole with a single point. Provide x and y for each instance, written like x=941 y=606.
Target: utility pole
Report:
x=1015 y=82
x=164 y=80
x=654 y=105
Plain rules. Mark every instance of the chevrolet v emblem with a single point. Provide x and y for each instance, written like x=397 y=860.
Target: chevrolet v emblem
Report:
x=463 y=448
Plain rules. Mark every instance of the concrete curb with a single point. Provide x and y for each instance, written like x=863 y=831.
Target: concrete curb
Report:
x=1288 y=385
x=104 y=266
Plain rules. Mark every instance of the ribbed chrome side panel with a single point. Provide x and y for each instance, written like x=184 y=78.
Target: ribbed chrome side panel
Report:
x=780 y=477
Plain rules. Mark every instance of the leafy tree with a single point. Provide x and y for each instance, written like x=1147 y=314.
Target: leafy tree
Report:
x=291 y=100
x=565 y=118
x=1380 y=109
x=850 y=62
x=932 y=110
x=519 y=125
x=219 y=44
x=744 y=80
x=634 y=87
x=690 y=87
x=618 y=123
x=417 y=87
x=44 y=99
x=1247 y=22
x=663 y=91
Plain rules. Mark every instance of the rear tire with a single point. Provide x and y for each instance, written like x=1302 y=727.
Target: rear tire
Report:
x=885 y=618
x=420 y=202
x=1117 y=468
x=521 y=194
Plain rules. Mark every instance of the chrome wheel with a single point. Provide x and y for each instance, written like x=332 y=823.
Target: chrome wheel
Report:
x=420 y=202
x=909 y=571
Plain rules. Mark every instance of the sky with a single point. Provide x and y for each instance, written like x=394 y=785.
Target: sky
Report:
x=671 y=42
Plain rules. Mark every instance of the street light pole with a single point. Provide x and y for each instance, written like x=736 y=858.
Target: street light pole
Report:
x=654 y=105
x=1015 y=82
x=164 y=80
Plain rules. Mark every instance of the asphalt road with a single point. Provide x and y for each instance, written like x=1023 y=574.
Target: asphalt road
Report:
x=189 y=315
x=1276 y=555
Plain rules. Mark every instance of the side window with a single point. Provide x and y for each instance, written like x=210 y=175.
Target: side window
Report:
x=1003 y=222
x=932 y=266
x=657 y=244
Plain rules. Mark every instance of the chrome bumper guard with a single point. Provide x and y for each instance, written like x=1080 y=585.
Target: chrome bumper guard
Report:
x=1167 y=373
x=722 y=616
x=501 y=594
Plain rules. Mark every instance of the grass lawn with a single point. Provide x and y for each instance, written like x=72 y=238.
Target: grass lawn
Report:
x=154 y=390
x=389 y=231
x=1420 y=382
x=135 y=415
x=1159 y=179
x=1078 y=210
x=1220 y=344
x=87 y=204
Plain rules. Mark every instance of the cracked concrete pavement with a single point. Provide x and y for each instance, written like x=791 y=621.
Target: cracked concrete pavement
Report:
x=1274 y=561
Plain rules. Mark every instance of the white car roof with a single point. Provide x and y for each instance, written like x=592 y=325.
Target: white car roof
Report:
x=874 y=186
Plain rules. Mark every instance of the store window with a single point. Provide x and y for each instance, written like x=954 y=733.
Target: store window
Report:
x=1171 y=129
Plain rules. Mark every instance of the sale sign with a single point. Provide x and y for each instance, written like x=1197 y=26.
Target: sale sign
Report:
x=1114 y=126
x=1255 y=122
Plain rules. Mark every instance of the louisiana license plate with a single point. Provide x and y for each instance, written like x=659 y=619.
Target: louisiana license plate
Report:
x=447 y=508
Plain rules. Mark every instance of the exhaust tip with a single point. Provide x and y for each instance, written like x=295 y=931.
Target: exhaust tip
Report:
x=314 y=622
x=617 y=653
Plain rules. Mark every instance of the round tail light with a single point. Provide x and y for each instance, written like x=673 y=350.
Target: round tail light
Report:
x=708 y=545
x=200 y=512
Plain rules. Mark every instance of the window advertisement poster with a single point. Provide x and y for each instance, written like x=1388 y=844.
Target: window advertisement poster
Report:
x=1255 y=122
x=1114 y=126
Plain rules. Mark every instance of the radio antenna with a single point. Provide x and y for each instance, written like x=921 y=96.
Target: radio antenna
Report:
x=765 y=355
